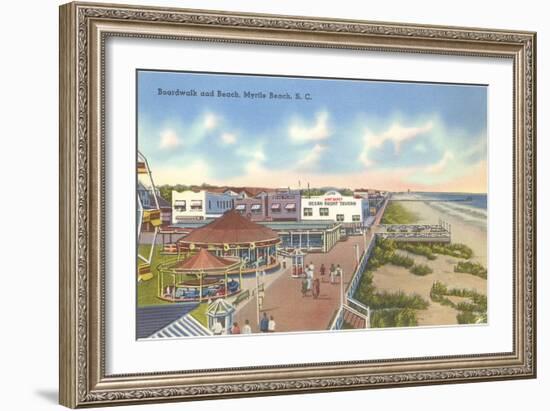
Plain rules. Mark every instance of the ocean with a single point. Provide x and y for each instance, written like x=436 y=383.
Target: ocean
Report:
x=471 y=208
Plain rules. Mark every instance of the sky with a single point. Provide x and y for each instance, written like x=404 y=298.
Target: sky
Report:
x=339 y=132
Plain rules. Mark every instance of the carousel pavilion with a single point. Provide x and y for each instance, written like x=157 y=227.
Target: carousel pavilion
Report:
x=199 y=277
x=233 y=235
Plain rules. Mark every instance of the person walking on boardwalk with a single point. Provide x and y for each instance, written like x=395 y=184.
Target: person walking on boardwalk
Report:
x=339 y=273
x=304 y=286
x=246 y=328
x=235 y=329
x=271 y=325
x=316 y=288
x=264 y=323
x=322 y=271
x=309 y=277
x=332 y=273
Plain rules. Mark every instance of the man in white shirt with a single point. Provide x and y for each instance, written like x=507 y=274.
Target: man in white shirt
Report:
x=246 y=328
x=271 y=325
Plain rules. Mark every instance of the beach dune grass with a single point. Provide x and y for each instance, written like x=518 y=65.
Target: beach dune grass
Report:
x=421 y=269
x=417 y=249
x=389 y=309
x=396 y=213
x=394 y=318
x=471 y=268
x=470 y=312
x=429 y=250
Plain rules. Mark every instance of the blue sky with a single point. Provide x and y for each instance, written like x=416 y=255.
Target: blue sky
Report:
x=348 y=133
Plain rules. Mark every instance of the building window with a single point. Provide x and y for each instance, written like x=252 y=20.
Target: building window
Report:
x=275 y=208
x=290 y=207
x=196 y=205
x=180 y=206
x=209 y=204
x=356 y=218
x=256 y=208
x=308 y=212
x=340 y=217
x=323 y=211
x=241 y=208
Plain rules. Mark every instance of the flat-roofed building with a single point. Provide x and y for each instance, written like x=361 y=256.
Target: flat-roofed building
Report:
x=280 y=205
x=349 y=211
x=199 y=205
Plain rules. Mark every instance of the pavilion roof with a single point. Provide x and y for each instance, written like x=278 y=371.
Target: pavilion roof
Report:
x=205 y=261
x=231 y=228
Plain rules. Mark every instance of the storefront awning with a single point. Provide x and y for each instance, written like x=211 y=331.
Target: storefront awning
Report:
x=256 y=207
x=290 y=206
x=240 y=207
x=275 y=206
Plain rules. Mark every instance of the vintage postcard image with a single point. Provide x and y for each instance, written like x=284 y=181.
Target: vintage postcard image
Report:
x=277 y=204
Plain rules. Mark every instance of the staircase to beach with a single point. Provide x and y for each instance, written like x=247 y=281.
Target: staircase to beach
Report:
x=353 y=320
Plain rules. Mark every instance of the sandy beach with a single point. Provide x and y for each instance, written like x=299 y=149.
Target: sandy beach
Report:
x=392 y=278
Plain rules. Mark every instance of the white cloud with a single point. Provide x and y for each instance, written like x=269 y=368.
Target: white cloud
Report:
x=441 y=165
x=312 y=158
x=396 y=134
x=254 y=158
x=252 y=153
x=210 y=121
x=299 y=133
x=228 y=138
x=169 y=139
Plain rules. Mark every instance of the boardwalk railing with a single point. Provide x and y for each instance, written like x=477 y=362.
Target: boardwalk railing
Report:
x=360 y=269
x=358 y=306
x=338 y=321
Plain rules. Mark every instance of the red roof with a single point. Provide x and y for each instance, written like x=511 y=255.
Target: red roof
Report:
x=231 y=228
x=203 y=260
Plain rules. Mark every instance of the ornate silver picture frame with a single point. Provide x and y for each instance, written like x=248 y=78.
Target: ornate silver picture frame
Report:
x=86 y=378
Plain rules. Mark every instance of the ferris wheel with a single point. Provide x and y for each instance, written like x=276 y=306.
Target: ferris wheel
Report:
x=148 y=217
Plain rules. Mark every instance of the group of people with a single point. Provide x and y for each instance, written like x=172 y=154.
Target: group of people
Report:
x=313 y=285
x=309 y=283
x=267 y=325
x=335 y=273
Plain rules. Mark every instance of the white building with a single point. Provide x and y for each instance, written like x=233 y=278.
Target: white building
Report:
x=199 y=205
x=348 y=210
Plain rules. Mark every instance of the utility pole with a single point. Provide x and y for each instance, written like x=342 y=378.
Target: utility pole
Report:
x=257 y=296
x=341 y=289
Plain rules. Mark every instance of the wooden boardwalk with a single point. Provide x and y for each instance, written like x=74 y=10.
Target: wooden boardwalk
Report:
x=283 y=298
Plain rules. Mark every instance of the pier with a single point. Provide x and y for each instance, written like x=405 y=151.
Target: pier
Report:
x=415 y=232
